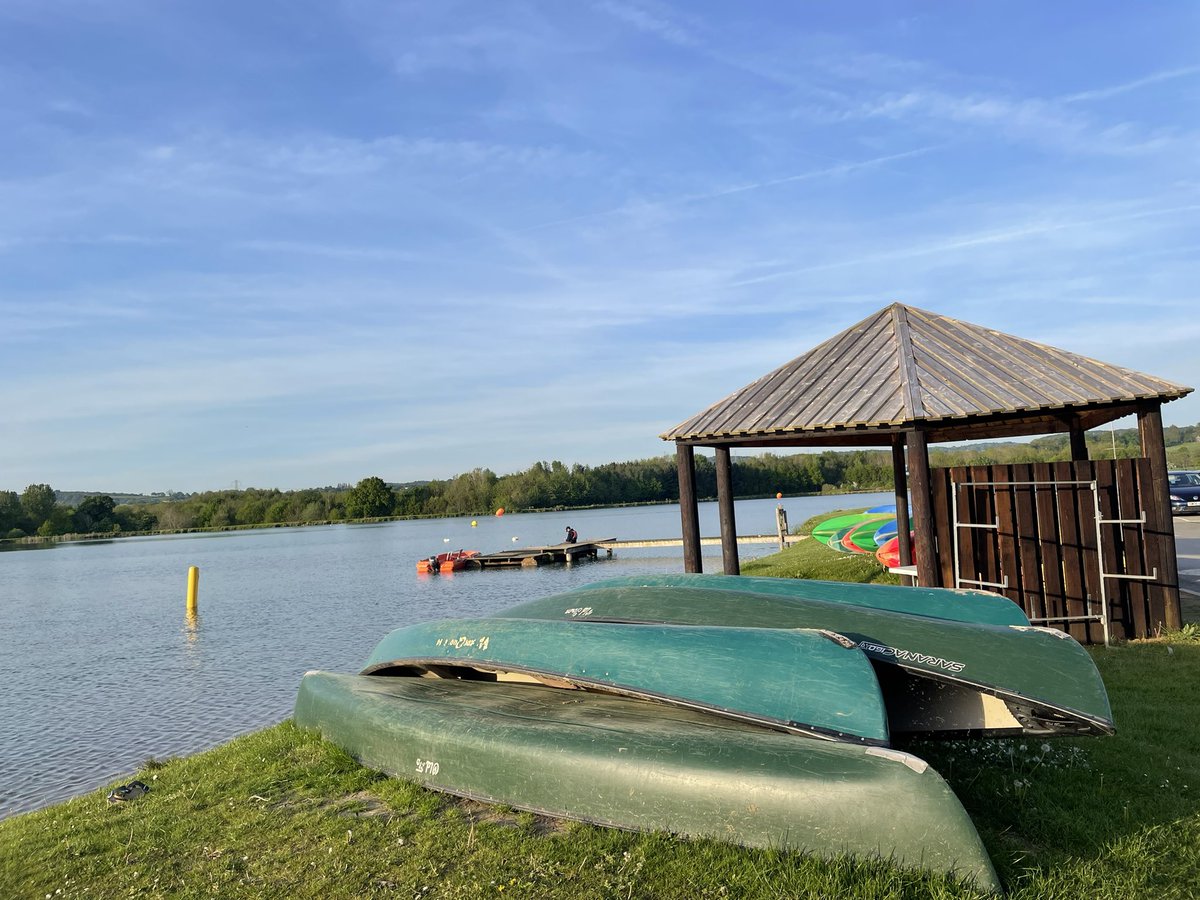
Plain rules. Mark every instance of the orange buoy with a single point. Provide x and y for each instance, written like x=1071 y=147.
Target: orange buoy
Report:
x=500 y=511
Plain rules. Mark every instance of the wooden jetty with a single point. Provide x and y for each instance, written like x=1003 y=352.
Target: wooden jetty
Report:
x=541 y=556
x=591 y=549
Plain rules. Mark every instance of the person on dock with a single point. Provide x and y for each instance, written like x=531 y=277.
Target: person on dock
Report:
x=572 y=535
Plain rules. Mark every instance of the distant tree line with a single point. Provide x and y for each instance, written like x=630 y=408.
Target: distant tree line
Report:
x=544 y=485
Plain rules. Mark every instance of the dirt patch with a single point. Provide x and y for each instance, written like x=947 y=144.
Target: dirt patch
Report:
x=477 y=813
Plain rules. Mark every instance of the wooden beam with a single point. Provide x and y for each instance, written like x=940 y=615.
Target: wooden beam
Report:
x=1079 y=450
x=928 y=570
x=689 y=511
x=900 y=477
x=729 y=551
x=1158 y=517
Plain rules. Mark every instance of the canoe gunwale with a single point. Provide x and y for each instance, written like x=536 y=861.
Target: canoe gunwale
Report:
x=801 y=729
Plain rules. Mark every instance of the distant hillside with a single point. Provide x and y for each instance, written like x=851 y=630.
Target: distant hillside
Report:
x=74 y=498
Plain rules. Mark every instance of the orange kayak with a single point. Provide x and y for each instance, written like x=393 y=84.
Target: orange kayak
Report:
x=445 y=562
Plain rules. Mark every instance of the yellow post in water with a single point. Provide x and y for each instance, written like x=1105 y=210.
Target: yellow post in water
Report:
x=193 y=589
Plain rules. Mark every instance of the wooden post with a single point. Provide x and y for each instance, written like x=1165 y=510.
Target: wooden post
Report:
x=1079 y=451
x=729 y=550
x=928 y=570
x=689 y=512
x=900 y=477
x=1158 y=517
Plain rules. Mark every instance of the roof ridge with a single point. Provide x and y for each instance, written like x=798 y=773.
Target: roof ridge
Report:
x=909 y=383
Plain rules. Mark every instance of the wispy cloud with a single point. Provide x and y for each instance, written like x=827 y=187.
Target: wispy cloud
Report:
x=1134 y=85
x=1032 y=121
x=641 y=207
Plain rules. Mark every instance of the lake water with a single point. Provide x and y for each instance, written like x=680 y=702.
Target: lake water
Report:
x=101 y=670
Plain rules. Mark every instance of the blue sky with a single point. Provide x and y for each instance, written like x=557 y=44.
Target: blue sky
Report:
x=296 y=244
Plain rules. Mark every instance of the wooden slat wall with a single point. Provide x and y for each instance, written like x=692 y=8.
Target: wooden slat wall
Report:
x=1045 y=541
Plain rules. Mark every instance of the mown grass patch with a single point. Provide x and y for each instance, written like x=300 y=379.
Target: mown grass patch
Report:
x=281 y=813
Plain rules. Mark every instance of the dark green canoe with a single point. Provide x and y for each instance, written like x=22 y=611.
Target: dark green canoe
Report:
x=646 y=766
x=804 y=681
x=937 y=675
x=983 y=607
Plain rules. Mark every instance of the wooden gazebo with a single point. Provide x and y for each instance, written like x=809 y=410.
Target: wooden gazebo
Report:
x=905 y=377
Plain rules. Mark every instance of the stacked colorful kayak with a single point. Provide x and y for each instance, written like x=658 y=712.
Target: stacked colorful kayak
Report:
x=872 y=531
x=755 y=710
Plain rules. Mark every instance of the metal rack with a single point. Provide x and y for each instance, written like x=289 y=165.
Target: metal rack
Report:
x=1092 y=615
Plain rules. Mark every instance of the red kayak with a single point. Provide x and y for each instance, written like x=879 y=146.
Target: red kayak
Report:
x=889 y=552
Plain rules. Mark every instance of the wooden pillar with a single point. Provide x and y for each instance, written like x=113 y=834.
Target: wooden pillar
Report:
x=928 y=570
x=1158 y=517
x=900 y=477
x=1079 y=450
x=729 y=550
x=689 y=512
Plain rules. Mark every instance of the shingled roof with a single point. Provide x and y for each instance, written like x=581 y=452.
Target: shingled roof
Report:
x=905 y=366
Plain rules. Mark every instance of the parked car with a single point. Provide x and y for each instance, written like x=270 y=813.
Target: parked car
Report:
x=1185 y=493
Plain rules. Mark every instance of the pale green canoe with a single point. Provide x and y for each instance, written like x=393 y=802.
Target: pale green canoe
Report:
x=938 y=676
x=809 y=682
x=982 y=607
x=646 y=766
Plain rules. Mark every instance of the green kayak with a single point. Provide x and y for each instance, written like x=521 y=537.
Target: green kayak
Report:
x=982 y=607
x=826 y=531
x=937 y=675
x=645 y=766
x=810 y=682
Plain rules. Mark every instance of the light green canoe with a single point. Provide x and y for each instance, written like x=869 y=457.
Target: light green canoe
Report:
x=646 y=766
x=938 y=676
x=982 y=607
x=809 y=682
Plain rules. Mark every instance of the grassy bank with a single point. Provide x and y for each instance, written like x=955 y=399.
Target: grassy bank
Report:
x=812 y=559
x=281 y=813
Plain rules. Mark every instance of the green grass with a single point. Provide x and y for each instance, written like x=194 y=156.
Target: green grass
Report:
x=812 y=559
x=281 y=813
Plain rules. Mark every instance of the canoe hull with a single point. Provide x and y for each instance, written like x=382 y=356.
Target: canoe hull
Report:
x=798 y=680
x=1015 y=679
x=981 y=607
x=647 y=767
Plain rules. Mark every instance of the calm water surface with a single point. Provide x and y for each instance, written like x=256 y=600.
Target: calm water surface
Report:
x=101 y=669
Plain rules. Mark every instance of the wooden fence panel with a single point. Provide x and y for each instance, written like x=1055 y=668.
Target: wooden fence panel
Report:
x=1128 y=602
x=1043 y=538
x=1049 y=543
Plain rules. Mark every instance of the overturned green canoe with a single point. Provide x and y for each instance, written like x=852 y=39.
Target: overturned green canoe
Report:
x=937 y=675
x=810 y=682
x=645 y=766
x=982 y=607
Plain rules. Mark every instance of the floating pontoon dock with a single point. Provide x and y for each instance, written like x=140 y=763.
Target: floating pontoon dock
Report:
x=590 y=549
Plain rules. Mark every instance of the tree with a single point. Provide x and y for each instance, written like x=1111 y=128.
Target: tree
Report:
x=38 y=502
x=95 y=514
x=369 y=498
x=11 y=514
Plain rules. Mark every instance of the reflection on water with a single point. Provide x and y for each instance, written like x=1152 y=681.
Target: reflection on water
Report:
x=97 y=678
